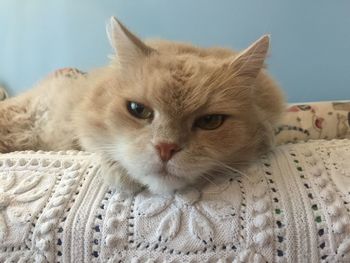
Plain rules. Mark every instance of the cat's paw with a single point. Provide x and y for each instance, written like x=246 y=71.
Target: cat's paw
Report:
x=114 y=175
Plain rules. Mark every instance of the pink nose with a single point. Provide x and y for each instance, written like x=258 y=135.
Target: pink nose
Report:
x=167 y=150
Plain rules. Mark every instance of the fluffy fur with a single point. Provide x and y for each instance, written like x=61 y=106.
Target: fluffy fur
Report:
x=180 y=83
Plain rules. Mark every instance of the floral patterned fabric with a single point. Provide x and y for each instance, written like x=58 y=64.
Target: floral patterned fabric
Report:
x=320 y=120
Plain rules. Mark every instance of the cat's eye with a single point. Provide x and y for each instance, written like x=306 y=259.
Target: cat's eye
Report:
x=139 y=110
x=210 y=122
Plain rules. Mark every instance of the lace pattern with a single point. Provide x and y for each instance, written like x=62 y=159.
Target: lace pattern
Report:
x=293 y=206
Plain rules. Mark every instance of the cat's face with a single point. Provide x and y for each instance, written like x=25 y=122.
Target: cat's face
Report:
x=170 y=119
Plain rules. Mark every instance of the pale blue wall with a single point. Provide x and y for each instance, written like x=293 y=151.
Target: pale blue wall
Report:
x=310 y=39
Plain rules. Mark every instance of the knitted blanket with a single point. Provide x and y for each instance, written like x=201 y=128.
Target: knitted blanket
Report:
x=291 y=206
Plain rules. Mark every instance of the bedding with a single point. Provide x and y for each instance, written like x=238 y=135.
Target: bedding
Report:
x=291 y=206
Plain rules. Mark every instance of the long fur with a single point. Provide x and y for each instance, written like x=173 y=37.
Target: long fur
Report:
x=180 y=83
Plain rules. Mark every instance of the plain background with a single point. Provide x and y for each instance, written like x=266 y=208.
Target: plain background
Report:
x=310 y=52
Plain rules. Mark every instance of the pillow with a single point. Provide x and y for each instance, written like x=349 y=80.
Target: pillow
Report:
x=319 y=120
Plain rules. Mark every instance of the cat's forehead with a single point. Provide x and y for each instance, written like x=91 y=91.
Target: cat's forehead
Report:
x=185 y=64
x=179 y=86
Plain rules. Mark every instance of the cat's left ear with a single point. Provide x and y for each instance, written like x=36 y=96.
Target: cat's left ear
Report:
x=128 y=47
x=250 y=61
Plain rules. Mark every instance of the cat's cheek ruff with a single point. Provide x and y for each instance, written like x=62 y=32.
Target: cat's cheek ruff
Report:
x=155 y=182
x=138 y=166
x=143 y=169
x=163 y=184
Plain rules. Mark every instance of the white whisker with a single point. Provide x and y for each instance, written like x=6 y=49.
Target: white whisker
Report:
x=209 y=180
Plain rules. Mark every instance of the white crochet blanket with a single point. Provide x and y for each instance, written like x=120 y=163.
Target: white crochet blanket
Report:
x=293 y=206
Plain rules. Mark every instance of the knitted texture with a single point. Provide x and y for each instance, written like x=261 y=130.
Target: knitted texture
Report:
x=291 y=206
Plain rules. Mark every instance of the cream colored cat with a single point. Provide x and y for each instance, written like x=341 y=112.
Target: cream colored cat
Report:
x=162 y=115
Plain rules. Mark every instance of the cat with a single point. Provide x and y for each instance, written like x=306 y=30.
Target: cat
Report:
x=162 y=115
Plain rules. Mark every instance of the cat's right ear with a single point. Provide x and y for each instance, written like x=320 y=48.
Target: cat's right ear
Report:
x=129 y=48
x=250 y=61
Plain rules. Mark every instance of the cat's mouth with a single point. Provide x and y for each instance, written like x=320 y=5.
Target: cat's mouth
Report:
x=164 y=172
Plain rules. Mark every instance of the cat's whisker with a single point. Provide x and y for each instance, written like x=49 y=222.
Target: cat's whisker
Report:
x=220 y=188
x=204 y=176
x=235 y=173
x=106 y=147
x=222 y=167
x=215 y=162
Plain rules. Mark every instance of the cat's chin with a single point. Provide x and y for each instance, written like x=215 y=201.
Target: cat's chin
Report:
x=163 y=182
x=159 y=185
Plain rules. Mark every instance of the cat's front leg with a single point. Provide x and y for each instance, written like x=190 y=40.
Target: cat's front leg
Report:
x=116 y=176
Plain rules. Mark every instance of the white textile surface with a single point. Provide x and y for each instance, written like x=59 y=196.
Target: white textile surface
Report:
x=292 y=206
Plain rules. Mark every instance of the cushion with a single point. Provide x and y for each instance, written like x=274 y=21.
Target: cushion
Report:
x=320 y=120
x=291 y=206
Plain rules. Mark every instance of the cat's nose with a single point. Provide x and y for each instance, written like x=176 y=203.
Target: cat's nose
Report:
x=167 y=150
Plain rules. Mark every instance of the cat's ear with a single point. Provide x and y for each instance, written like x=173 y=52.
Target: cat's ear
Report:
x=249 y=62
x=129 y=48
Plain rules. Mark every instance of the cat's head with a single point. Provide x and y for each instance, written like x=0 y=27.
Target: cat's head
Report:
x=171 y=115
